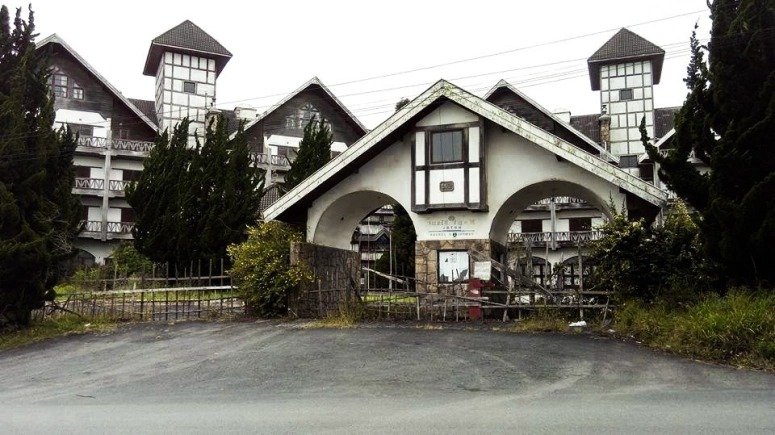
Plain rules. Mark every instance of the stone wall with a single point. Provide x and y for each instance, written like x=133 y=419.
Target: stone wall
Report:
x=336 y=279
x=426 y=261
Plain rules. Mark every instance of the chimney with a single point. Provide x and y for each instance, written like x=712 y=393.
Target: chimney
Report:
x=248 y=113
x=605 y=130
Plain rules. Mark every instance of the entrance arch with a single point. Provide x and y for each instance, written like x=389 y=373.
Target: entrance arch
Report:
x=336 y=223
x=521 y=199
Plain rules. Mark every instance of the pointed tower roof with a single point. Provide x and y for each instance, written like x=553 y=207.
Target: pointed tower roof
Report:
x=625 y=46
x=186 y=38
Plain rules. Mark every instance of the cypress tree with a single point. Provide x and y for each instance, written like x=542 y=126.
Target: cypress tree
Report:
x=314 y=152
x=39 y=217
x=728 y=122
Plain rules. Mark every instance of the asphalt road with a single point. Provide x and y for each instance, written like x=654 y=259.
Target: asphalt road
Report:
x=266 y=377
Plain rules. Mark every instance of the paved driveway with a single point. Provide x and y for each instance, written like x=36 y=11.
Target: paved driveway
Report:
x=266 y=377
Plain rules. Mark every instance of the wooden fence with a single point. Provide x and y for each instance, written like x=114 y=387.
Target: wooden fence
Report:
x=154 y=304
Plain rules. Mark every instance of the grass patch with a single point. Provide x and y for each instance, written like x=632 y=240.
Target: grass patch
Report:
x=347 y=316
x=737 y=329
x=54 y=327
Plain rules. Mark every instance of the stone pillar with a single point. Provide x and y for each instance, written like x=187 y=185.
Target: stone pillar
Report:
x=426 y=254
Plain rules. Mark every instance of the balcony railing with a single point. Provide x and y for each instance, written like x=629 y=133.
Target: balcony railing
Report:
x=561 y=200
x=120 y=227
x=276 y=160
x=118 y=185
x=116 y=144
x=92 y=226
x=572 y=237
x=89 y=183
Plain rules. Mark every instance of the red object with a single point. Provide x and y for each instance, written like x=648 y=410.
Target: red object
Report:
x=475 y=287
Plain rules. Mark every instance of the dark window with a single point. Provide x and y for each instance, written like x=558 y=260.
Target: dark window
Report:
x=123 y=133
x=82 y=130
x=532 y=226
x=127 y=215
x=83 y=172
x=130 y=175
x=447 y=146
x=77 y=93
x=85 y=212
x=628 y=161
x=580 y=224
x=189 y=87
x=625 y=94
x=647 y=172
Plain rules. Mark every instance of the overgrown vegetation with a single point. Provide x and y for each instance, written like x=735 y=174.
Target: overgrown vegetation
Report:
x=39 y=216
x=648 y=263
x=738 y=328
x=261 y=268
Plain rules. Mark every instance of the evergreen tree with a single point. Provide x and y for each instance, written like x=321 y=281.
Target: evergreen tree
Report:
x=192 y=202
x=402 y=238
x=314 y=152
x=728 y=122
x=39 y=217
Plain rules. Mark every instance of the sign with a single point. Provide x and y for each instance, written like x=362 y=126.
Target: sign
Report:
x=451 y=227
x=482 y=270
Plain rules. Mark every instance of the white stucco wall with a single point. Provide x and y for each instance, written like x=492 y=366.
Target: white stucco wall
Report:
x=519 y=173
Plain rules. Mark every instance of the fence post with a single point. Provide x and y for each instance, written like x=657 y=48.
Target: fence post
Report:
x=142 y=305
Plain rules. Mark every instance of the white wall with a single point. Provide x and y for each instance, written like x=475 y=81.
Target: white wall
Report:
x=513 y=164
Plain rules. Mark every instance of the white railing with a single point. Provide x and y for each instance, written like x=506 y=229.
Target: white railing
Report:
x=118 y=185
x=92 y=226
x=559 y=236
x=120 y=227
x=89 y=183
x=275 y=160
x=561 y=200
x=116 y=144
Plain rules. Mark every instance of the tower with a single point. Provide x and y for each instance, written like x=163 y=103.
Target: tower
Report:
x=186 y=62
x=624 y=70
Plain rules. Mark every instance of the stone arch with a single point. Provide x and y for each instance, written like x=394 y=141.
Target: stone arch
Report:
x=518 y=201
x=336 y=224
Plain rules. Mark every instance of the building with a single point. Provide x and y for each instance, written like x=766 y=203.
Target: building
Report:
x=117 y=133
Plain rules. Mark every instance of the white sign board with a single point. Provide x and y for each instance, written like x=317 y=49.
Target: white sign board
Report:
x=482 y=270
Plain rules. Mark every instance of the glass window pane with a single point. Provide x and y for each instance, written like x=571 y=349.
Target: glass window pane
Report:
x=453 y=266
x=447 y=146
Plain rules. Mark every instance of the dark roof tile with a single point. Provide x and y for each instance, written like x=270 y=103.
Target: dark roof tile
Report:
x=625 y=45
x=147 y=107
x=664 y=120
x=587 y=125
x=188 y=35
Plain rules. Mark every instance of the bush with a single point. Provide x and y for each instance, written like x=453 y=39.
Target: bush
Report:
x=129 y=261
x=261 y=268
x=738 y=328
x=663 y=262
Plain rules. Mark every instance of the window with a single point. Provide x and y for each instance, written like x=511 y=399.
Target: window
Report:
x=628 y=161
x=532 y=226
x=123 y=133
x=453 y=266
x=580 y=224
x=132 y=175
x=189 y=87
x=625 y=94
x=127 y=215
x=447 y=146
x=82 y=130
x=77 y=93
x=82 y=172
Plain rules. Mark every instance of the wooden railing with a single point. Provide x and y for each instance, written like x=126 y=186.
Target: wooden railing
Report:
x=92 y=226
x=118 y=185
x=89 y=183
x=561 y=200
x=275 y=160
x=120 y=227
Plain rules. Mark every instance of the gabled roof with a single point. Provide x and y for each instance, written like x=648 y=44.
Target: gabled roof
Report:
x=314 y=81
x=55 y=39
x=625 y=45
x=148 y=107
x=375 y=140
x=504 y=84
x=187 y=38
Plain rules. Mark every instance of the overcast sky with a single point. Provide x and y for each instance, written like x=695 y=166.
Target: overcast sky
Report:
x=539 y=46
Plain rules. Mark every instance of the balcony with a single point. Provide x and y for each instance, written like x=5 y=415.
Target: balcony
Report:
x=112 y=230
x=92 y=226
x=118 y=185
x=276 y=161
x=123 y=146
x=88 y=186
x=561 y=202
x=560 y=238
x=120 y=227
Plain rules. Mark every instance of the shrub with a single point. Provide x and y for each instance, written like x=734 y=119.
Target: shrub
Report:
x=129 y=261
x=663 y=262
x=261 y=268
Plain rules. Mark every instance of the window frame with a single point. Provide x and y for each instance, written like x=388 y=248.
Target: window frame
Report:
x=463 y=147
x=630 y=164
x=189 y=83
x=622 y=93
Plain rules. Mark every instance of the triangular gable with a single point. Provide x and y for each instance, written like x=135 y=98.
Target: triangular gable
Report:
x=624 y=46
x=444 y=89
x=314 y=81
x=186 y=37
x=55 y=39
x=503 y=84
